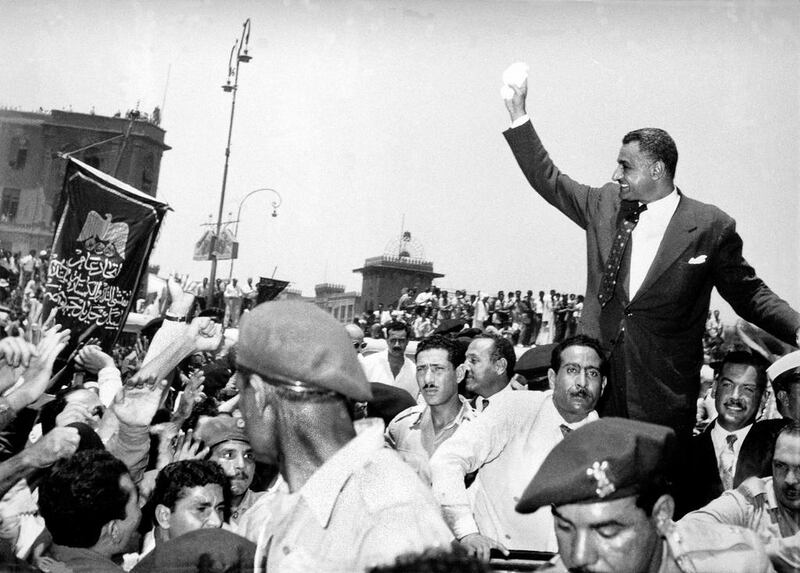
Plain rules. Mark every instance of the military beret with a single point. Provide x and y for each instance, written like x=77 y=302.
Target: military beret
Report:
x=604 y=460
x=290 y=341
x=218 y=429
x=388 y=401
x=784 y=364
x=202 y=550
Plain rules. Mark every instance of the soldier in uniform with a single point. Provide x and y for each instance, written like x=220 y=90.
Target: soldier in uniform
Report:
x=607 y=483
x=353 y=504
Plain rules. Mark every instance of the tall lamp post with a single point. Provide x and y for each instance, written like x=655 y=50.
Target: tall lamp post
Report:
x=240 y=50
x=275 y=205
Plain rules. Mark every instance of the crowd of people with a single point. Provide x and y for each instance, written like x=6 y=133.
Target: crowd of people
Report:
x=526 y=319
x=282 y=444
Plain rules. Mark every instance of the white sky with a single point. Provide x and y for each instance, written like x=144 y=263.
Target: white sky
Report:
x=358 y=112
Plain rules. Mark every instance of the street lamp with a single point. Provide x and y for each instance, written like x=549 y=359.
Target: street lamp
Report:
x=275 y=205
x=240 y=49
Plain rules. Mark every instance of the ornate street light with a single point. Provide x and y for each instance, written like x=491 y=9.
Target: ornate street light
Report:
x=240 y=49
x=275 y=205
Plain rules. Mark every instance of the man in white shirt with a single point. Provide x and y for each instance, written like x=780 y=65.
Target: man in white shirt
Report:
x=489 y=367
x=653 y=257
x=392 y=366
x=506 y=443
x=416 y=432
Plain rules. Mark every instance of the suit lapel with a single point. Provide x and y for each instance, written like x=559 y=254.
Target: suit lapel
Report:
x=679 y=235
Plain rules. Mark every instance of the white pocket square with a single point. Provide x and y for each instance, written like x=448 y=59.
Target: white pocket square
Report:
x=698 y=260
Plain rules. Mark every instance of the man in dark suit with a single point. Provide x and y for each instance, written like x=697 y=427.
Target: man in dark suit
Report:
x=732 y=448
x=647 y=299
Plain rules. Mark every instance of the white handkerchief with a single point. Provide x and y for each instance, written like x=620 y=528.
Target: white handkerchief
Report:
x=516 y=74
x=699 y=260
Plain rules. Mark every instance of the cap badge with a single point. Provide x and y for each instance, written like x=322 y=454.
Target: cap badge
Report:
x=604 y=485
x=240 y=423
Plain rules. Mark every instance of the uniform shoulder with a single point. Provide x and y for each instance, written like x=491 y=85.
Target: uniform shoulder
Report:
x=407 y=416
x=387 y=481
x=704 y=546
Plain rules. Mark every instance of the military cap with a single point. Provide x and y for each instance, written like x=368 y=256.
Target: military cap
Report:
x=388 y=401
x=218 y=429
x=290 y=342
x=784 y=364
x=207 y=550
x=601 y=461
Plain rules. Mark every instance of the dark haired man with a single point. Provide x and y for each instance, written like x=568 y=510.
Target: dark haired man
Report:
x=90 y=507
x=392 y=366
x=770 y=506
x=732 y=448
x=506 y=443
x=607 y=486
x=654 y=256
x=190 y=495
x=489 y=367
x=353 y=503
x=415 y=433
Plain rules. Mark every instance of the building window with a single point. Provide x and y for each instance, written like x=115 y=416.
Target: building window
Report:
x=18 y=153
x=9 y=205
x=148 y=167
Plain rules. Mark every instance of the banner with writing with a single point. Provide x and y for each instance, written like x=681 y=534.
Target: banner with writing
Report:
x=106 y=231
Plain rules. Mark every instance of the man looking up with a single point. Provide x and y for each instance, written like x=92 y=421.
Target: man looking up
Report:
x=732 y=448
x=770 y=506
x=489 y=367
x=417 y=432
x=297 y=374
x=653 y=257
x=607 y=486
x=392 y=366
x=506 y=443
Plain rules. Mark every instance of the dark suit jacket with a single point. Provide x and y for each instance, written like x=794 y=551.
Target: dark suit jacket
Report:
x=656 y=338
x=703 y=483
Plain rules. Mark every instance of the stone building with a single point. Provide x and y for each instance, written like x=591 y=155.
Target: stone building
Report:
x=32 y=171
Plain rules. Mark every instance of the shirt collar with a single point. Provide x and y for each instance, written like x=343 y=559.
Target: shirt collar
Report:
x=322 y=489
x=662 y=208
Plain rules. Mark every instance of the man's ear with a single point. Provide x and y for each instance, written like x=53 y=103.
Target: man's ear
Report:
x=500 y=365
x=162 y=515
x=110 y=531
x=551 y=378
x=603 y=385
x=657 y=170
x=663 y=510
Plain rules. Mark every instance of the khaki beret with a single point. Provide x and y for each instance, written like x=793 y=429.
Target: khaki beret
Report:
x=290 y=341
x=603 y=460
x=215 y=430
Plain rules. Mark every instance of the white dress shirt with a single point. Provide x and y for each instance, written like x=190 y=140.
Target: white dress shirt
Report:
x=719 y=439
x=506 y=444
x=377 y=369
x=646 y=238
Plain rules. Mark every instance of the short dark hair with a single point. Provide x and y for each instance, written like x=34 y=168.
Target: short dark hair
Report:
x=455 y=350
x=82 y=494
x=747 y=358
x=656 y=143
x=579 y=340
x=175 y=478
x=396 y=325
x=791 y=429
x=503 y=348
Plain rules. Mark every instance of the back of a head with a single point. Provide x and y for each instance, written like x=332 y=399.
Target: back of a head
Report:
x=82 y=494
